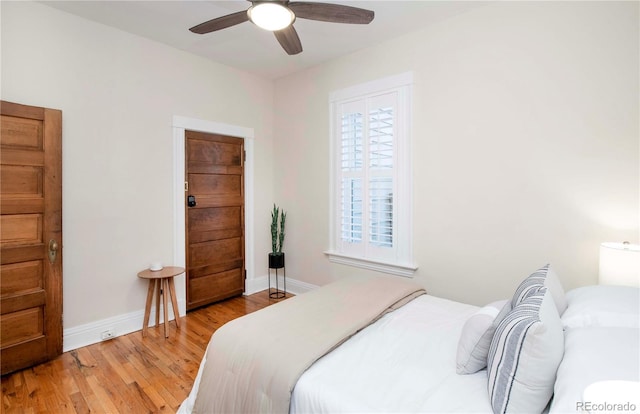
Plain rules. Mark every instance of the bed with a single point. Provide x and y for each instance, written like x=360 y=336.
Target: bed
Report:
x=540 y=350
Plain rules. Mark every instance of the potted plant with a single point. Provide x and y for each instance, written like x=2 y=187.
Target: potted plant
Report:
x=276 y=257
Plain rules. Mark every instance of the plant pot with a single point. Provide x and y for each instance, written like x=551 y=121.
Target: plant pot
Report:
x=276 y=260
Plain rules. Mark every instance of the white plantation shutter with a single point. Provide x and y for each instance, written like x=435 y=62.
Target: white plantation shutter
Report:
x=352 y=126
x=351 y=136
x=381 y=170
x=352 y=210
x=381 y=137
x=371 y=181
x=381 y=212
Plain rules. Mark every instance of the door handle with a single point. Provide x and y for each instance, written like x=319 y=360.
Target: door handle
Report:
x=191 y=201
x=53 y=250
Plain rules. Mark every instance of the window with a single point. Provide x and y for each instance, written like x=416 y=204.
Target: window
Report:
x=371 y=176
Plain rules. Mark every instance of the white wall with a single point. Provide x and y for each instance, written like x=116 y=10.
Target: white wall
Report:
x=118 y=94
x=525 y=145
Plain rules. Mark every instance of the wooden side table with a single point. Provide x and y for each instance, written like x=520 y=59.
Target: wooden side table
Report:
x=161 y=282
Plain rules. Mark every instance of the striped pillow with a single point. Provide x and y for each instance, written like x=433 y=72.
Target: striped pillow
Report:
x=545 y=276
x=524 y=356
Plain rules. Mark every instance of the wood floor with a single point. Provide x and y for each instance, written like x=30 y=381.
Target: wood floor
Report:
x=128 y=374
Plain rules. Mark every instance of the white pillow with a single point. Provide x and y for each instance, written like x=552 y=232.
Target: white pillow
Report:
x=607 y=306
x=593 y=354
x=547 y=277
x=477 y=332
x=616 y=395
x=525 y=352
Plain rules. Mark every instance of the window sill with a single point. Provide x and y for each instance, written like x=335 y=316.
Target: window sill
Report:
x=369 y=264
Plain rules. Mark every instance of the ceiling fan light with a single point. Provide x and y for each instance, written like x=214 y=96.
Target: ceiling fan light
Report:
x=271 y=16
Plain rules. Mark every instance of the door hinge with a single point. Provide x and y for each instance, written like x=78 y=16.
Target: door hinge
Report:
x=186 y=186
x=245 y=274
x=245 y=155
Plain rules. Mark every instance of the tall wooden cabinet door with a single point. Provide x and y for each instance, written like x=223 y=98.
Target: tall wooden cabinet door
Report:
x=30 y=235
x=214 y=217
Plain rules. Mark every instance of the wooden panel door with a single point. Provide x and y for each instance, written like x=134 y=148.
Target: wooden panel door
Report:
x=30 y=228
x=215 y=224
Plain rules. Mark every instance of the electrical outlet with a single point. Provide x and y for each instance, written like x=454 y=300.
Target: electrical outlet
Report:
x=108 y=334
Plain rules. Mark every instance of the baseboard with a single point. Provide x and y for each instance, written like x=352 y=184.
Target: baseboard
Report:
x=294 y=286
x=298 y=287
x=91 y=333
x=255 y=285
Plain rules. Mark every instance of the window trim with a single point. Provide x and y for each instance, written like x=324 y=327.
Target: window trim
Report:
x=403 y=264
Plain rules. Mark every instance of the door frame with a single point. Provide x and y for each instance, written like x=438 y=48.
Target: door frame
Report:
x=180 y=125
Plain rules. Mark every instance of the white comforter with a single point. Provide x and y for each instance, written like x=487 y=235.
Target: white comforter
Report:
x=405 y=362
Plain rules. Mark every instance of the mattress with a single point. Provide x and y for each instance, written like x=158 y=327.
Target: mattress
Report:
x=405 y=362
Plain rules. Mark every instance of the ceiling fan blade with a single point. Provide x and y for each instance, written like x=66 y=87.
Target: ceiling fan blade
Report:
x=327 y=12
x=289 y=40
x=221 y=22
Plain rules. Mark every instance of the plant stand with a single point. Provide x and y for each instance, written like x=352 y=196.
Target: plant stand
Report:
x=276 y=261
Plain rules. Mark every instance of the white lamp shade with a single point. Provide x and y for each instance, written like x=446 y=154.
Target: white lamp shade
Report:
x=620 y=264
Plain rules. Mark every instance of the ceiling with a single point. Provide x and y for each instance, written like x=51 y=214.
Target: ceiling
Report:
x=252 y=49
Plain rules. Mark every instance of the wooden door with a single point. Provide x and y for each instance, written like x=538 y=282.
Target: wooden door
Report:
x=30 y=228
x=215 y=224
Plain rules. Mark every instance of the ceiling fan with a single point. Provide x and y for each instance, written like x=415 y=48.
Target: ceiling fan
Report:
x=278 y=16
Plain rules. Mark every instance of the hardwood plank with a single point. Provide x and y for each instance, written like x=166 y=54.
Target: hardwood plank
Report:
x=54 y=396
x=33 y=388
x=105 y=398
x=141 y=395
x=79 y=403
x=76 y=368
